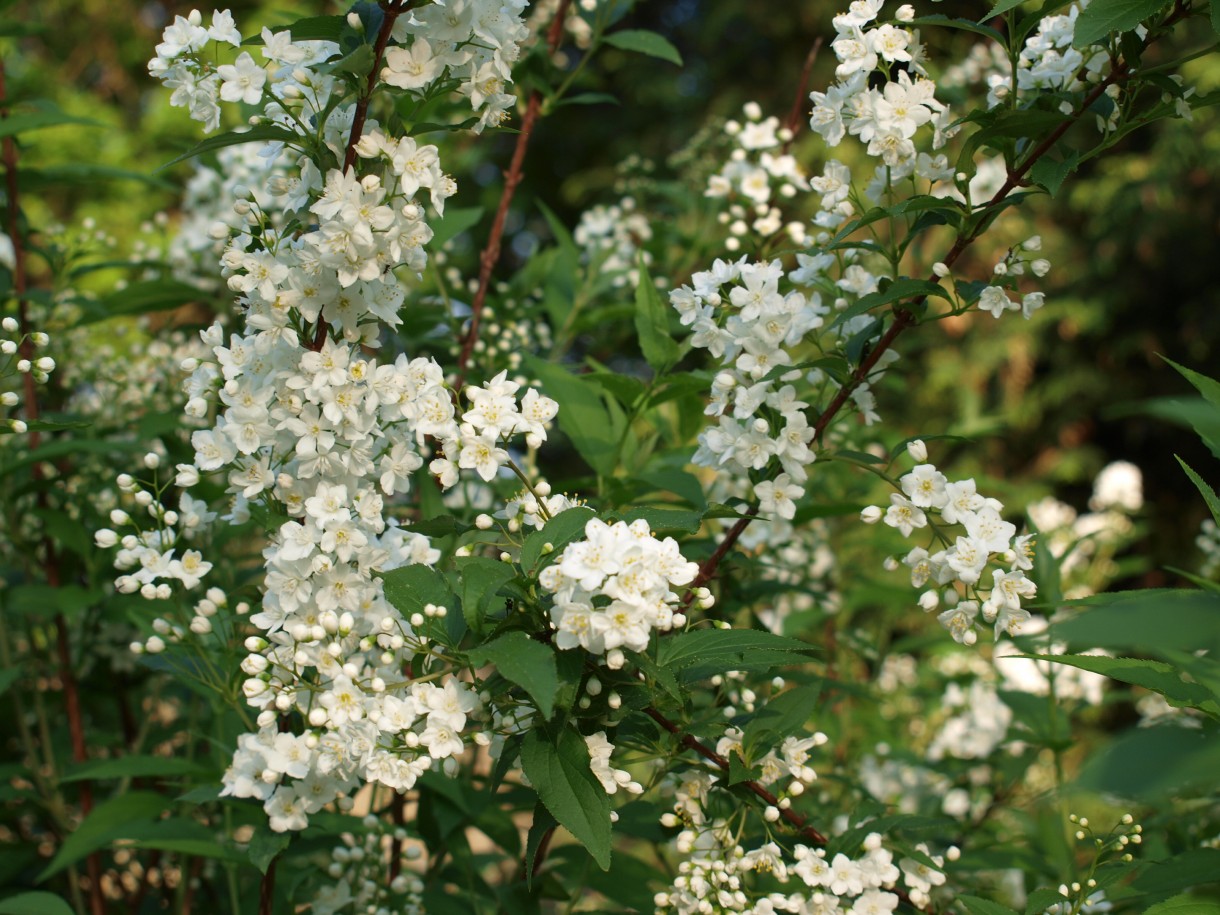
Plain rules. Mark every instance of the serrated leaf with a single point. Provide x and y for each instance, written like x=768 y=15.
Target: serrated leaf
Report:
x=1190 y=868
x=455 y=221
x=481 y=578
x=1184 y=904
x=1051 y=173
x=109 y=820
x=583 y=416
x=262 y=133
x=645 y=42
x=265 y=846
x=542 y=824
x=1155 y=763
x=976 y=905
x=652 y=323
x=1158 y=676
x=1209 y=494
x=1101 y=17
x=708 y=651
x=42 y=115
x=1145 y=620
x=526 y=662
x=141 y=298
x=783 y=715
x=904 y=287
x=311 y=28
x=589 y=98
x=1042 y=899
x=34 y=904
x=134 y=767
x=412 y=587
x=666 y=520
x=739 y=772
x=559 y=769
x=561 y=530
x=1002 y=7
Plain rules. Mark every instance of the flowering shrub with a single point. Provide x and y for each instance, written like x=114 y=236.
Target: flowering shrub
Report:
x=434 y=609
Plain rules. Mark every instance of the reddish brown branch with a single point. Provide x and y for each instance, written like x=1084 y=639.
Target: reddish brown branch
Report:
x=266 y=889
x=491 y=253
x=791 y=817
x=76 y=729
x=392 y=9
x=794 y=116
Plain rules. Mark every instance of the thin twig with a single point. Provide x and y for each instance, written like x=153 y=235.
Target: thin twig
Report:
x=392 y=10
x=794 y=116
x=491 y=253
x=80 y=751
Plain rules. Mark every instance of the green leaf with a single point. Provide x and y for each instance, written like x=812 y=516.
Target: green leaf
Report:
x=1144 y=620
x=542 y=824
x=666 y=520
x=43 y=114
x=1101 y=17
x=559 y=769
x=1193 y=412
x=265 y=846
x=134 y=767
x=1209 y=494
x=784 y=715
x=643 y=41
x=412 y=587
x=904 y=287
x=482 y=577
x=1191 y=868
x=589 y=98
x=583 y=416
x=311 y=28
x=1208 y=387
x=110 y=820
x=561 y=530
x=739 y=772
x=708 y=651
x=263 y=133
x=1155 y=763
x=1051 y=173
x=1158 y=676
x=1003 y=6
x=660 y=349
x=455 y=221
x=8 y=678
x=1042 y=899
x=976 y=905
x=1184 y=904
x=34 y=904
x=526 y=662
x=141 y=298
x=44 y=601
x=1215 y=17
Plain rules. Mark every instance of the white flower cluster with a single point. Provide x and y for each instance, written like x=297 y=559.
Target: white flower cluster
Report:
x=1049 y=61
x=147 y=555
x=478 y=39
x=887 y=118
x=612 y=239
x=961 y=565
x=312 y=430
x=760 y=418
x=611 y=779
x=615 y=587
x=718 y=876
x=994 y=299
x=790 y=760
x=15 y=365
x=978 y=729
x=757 y=171
x=358 y=868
